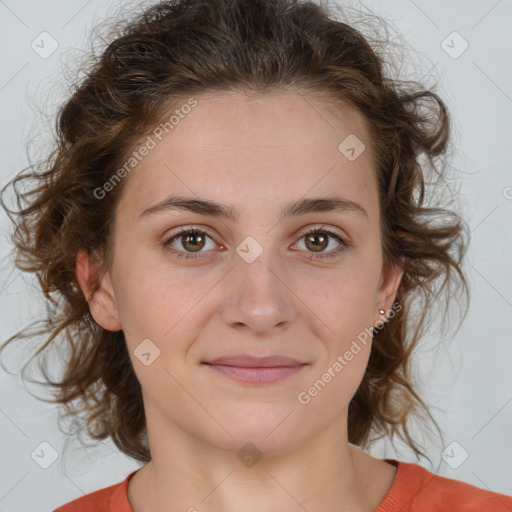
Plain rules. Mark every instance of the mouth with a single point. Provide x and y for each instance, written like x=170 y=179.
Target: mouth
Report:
x=255 y=370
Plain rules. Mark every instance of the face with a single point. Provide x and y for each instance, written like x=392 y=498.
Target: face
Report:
x=253 y=283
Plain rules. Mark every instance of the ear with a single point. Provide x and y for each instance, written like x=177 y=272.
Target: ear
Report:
x=98 y=291
x=390 y=281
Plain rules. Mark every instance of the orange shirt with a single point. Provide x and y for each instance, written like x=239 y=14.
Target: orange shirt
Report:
x=414 y=489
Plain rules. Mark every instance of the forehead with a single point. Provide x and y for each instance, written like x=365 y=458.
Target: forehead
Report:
x=267 y=119
x=255 y=148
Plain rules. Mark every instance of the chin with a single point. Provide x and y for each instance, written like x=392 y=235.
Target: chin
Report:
x=271 y=428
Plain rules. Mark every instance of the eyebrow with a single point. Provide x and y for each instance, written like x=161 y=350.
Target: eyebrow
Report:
x=294 y=208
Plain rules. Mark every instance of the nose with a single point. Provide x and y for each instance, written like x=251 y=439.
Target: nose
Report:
x=259 y=296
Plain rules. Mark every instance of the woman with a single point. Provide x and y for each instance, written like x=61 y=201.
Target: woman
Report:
x=235 y=220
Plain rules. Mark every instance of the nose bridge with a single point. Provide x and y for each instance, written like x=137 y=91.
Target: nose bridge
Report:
x=257 y=269
x=258 y=295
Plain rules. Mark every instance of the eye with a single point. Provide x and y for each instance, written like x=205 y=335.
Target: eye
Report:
x=190 y=239
x=190 y=242
x=317 y=240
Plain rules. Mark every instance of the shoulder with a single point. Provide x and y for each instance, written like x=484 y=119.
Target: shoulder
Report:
x=417 y=489
x=108 y=499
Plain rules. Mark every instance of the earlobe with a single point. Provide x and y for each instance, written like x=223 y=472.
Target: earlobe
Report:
x=98 y=292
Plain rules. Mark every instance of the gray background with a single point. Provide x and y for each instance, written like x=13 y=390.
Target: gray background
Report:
x=467 y=379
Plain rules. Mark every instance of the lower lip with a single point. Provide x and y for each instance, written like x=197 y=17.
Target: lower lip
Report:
x=256 y=375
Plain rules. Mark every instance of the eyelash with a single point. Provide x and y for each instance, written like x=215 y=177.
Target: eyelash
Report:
x=190 y=256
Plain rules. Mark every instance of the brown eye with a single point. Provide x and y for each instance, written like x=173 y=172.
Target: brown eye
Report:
x=188 y=243
x=193 y=241
x=319 y=239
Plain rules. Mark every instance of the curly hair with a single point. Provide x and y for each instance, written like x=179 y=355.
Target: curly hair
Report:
x=181 y=47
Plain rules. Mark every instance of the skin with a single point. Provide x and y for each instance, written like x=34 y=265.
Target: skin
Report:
x=257 y=154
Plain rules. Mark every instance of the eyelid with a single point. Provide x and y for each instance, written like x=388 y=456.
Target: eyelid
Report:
x=324 y=227
x=302 y=232
x=185 y=229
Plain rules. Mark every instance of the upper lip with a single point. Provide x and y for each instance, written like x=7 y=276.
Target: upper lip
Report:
x=247 y=361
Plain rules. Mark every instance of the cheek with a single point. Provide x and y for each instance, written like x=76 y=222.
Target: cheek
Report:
x=343 y=308
x=170 y=304
x=156 y=299
x=344 y=301
x=326 y=396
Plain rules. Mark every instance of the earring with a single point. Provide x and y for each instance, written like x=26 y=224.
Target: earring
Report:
x=381 y=311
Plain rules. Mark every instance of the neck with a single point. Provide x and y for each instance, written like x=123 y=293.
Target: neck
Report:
x=187 y=473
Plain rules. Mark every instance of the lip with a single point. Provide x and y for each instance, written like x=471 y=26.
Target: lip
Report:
x=255 y=370
x=247 y=361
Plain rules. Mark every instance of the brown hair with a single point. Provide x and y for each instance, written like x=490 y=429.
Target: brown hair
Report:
x=181 y=47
